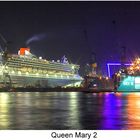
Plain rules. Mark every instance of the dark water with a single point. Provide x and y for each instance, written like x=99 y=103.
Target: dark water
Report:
x=71 y=110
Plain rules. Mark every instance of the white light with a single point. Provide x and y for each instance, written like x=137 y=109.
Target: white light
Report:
x=106 y=78
x=40 y=57
x=55 y=75
x=27 y=73
x=137 y=80
x=13 y=72
x=19 y=72
x=94 y=85
x=73 y=67
x=47 y=75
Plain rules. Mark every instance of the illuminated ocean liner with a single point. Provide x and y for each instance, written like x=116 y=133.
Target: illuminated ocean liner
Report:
x=128 y=79
x=26 y=70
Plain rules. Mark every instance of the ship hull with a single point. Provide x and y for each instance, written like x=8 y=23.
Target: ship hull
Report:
x=38 y=82
x=129 y=84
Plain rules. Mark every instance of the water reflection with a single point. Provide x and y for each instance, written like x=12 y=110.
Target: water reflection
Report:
x=69 y=110
x=112 y=110
x=73 y=116
x=133 y=111
x=4 y=111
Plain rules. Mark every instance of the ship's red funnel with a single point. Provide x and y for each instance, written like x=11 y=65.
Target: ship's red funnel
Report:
x=22 y=50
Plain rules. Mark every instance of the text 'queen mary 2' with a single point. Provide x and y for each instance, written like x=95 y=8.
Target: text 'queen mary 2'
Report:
x=26 y=70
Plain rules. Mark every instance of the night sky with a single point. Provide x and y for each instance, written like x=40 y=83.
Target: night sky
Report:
x=74 y=29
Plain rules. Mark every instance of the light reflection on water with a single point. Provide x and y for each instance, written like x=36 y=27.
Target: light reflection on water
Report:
x=70 y=110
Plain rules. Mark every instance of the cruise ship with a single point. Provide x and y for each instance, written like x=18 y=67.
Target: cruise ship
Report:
x=26 y=70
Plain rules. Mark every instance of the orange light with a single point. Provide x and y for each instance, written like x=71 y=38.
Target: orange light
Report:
x=137 y=67
x=131 y=68
x=100 y=77
x=94 y=65
x=137 y=61
x=118 y=74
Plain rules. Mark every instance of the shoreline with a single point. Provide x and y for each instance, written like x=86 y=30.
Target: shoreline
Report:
x=58 y=89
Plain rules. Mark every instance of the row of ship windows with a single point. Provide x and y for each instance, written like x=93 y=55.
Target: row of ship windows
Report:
x=37 y=66
x=38 y=69
x=40 y=65
x=41 y=71
x=42 y=74
x=28 y=60
x=35 y=61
